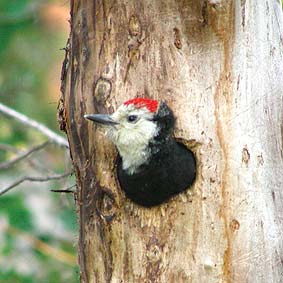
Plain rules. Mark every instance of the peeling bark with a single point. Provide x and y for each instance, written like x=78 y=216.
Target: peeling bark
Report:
x=218 y=65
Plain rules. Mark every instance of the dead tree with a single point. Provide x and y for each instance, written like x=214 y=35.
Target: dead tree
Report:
x=218 y=65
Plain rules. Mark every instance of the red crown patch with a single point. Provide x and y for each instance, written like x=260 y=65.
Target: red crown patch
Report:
x=139 y=102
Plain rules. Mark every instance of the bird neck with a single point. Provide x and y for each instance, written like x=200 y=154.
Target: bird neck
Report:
x=133 y=159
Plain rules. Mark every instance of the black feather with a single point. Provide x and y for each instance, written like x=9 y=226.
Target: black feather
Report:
x=170 y=170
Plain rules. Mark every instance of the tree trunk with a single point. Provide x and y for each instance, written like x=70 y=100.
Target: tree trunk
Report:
x=218 y=65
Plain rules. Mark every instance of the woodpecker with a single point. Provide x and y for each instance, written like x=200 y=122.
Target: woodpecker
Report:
x=152 y=166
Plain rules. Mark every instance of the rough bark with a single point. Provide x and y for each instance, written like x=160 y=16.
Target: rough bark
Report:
x=218 y=64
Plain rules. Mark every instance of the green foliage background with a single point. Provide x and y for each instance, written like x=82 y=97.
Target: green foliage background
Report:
x=29 y=49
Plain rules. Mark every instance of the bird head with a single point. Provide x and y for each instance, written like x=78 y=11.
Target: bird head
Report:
x=136 y=126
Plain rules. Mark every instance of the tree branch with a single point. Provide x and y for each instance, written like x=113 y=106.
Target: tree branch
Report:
x=34 y=124
x=34 y=179
x=33 y=163
x=21 y=156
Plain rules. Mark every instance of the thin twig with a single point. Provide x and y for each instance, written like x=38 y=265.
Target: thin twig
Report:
x=34 y=179
x=34 y=124
x=23 y=155
x=32 y=163
x=67 y=190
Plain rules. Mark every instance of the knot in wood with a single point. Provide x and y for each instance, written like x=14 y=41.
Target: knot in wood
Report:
x=153 y=253
x=102 y=89
x=106 y=205
x=135 y=26
x=177 y=38
x=235 y=225
x=245 y=156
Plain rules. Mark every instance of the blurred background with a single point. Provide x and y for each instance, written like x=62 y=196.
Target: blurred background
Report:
x=38 y=227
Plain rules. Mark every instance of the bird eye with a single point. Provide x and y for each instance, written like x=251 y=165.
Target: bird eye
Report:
x=132 y=118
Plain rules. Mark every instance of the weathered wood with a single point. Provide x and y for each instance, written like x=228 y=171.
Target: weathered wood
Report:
x=218 y=65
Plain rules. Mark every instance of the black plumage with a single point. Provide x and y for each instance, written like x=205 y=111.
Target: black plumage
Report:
x=171 y=168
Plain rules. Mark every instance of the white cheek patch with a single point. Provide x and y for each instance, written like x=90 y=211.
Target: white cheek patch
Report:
x=132 y=139
x=132 y=142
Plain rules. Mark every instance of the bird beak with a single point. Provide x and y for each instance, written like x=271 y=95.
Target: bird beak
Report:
x=103 y=119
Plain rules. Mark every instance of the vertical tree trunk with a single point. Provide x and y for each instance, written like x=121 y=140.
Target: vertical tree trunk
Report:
x=218 y=65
